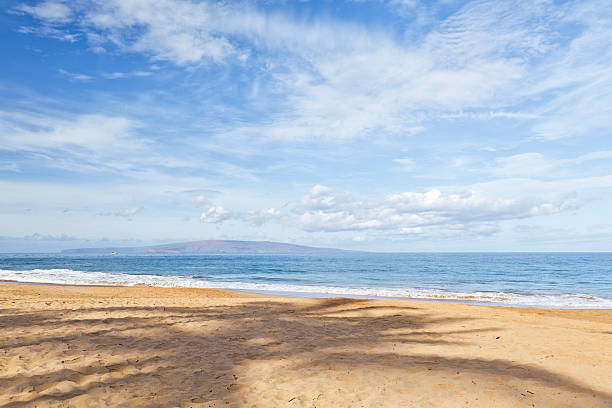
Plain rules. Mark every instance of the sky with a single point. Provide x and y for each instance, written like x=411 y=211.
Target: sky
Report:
x=398 y=125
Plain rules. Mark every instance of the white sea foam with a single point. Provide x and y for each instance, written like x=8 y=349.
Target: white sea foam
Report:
x=72 y=277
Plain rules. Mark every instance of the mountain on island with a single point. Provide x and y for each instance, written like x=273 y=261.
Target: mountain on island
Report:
x=209 y=247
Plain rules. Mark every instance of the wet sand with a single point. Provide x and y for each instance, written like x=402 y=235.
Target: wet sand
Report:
x=74 y=346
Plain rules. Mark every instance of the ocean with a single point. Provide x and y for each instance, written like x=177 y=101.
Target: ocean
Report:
x=562 y=280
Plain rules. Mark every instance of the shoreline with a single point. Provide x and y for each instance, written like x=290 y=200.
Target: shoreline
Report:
x=318 y=295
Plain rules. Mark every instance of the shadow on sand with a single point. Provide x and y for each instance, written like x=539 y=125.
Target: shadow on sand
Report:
x=205 y=356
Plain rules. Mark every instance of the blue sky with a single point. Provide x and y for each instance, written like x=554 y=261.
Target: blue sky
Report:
x=380 y=125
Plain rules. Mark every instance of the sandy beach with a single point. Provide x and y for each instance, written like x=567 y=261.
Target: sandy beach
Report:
x=70 y=346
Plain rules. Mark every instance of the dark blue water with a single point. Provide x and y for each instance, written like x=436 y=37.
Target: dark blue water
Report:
x=546 y=279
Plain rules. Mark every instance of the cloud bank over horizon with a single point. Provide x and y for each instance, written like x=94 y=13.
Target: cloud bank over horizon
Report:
x=450 y=125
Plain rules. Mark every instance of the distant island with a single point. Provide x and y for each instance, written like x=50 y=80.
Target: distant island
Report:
x=210 y=247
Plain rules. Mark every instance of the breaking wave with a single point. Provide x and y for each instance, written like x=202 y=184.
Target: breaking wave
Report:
x=75 y=277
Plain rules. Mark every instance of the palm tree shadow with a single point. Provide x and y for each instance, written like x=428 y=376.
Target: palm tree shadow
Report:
x=199 y=356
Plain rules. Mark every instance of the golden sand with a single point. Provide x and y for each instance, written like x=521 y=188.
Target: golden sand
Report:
x=68 y=346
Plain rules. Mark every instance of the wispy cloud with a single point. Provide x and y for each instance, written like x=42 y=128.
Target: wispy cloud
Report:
x=50 y=11
x=50 y=32
x=126 y=212
x=341 y=81
x=22 y=130
x=12 y=167
x=105 y=75
x=121 y=75
x=76 y=76
x=535 y=164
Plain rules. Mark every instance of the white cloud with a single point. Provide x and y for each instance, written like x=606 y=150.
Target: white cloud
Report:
x=183 y=32
x=479 y=59
x=44 y=237
x=43 y=138
x=121 y=75
x=52 y=11
x=411 y=230
x=201 y=201
x=413 y=212
x=328 y=221
x=80 y=77
x=218 y=214
x=321 y=198
x=76 y=76
x=580 y=76
x=50 y=32
x=605 y=154
x=88 y=132
x=533 y=164
x=90 y=143
x=215 y=215
x=126 y=212
x=261 y=217
x=525 y=164
x=319 y=190
x=405 y=163
x=343 y=81
x=488 y=115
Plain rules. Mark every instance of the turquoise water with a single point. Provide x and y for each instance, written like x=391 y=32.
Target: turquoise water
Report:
x=529 y=279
